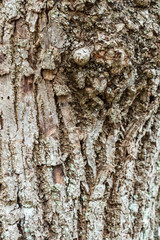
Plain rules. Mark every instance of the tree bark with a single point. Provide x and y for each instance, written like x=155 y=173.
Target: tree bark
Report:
x=79 y=120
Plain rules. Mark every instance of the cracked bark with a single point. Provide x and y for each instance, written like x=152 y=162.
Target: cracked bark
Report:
x=79 y=138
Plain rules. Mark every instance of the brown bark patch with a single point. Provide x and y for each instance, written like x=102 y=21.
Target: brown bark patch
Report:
x=27 y=84
x=22 y=30
x=51 y=130
x=2 y=57
x=49 y=127
x=58 y=174
x=48 y=74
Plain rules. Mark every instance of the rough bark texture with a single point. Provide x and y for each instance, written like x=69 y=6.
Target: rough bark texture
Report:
x=80 y=119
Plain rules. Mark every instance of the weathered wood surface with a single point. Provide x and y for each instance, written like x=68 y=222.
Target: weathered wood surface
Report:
x=79 y=120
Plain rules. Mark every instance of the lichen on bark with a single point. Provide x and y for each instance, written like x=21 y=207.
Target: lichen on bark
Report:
x=79 y=120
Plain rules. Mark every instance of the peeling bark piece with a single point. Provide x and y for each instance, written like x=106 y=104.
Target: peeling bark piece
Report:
x=58 y=174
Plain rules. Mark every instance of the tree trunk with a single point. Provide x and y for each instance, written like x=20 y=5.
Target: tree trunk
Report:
x=79 y=119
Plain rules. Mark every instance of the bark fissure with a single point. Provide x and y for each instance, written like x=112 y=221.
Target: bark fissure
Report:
x=79 y=120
